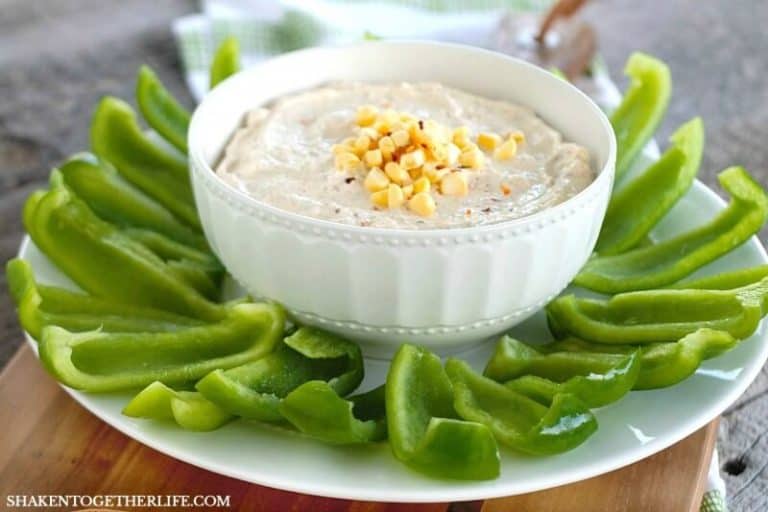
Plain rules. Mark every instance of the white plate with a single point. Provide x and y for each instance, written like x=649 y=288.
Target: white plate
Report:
x=640 y=425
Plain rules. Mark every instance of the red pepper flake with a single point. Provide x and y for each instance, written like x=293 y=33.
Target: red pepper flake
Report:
x=421 y=124
x=468 y=212
x=349 y=180
x=487 y=210
x=505 y=189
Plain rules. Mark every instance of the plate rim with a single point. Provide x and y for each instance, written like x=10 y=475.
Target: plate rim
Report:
x=464 y=492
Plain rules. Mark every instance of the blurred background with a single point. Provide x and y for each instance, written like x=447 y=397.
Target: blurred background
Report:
x=57 y=58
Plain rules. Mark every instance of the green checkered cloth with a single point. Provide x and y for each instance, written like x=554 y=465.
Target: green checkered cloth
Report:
x=269 y=27
x=713 y=501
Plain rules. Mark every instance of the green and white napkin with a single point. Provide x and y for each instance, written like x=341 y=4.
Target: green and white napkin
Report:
x=269 y=27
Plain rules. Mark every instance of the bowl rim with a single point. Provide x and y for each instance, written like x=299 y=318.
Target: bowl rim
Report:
x=201 y=167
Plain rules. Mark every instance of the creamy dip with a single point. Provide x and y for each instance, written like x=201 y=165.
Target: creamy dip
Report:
x=282 y=156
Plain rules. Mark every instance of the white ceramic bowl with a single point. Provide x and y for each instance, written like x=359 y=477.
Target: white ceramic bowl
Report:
x=443 y=289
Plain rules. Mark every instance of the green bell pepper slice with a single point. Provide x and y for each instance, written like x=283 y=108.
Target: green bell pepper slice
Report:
x=199 y=269
x=117 y=137
x=661 y=364
x=40 y=306
x=98 y=361
x=517 y=421
x=635 y=209
x=255 y=390
x=171 y=250
x=105 y=262
x=424 y=430
x=161 y=110
x=671 y=260
x=188 y=409
x=226 y=61
x=197 y=277
x=642 y=109
x=725 y=280
x=113 y=199
x=593 y=389
x=659 y=315
x=316 y=410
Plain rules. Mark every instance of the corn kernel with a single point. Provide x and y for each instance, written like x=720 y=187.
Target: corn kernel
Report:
x=461 y=136
x=380 y=198
x=439 y=152
x=488 y=141
x=373 y=158
x=472 y=158
x=370 y=132
x=389 y=116
x=347 y=162
x=435 y=175
x=340 y=148
x=428 y=167
x=408 y=191
x=382 y=127
x=397 y=174
x=366 y=115
x=421 y=185
x=395 y=196
x=362 y=143
x=507 y=150
x=387 y=147
x=413 y=159
x=518 y=136
x=455 y=184
x=401 y=138
x=432 y=131
x=376 y=180
x=422 y=204
x=453 y=154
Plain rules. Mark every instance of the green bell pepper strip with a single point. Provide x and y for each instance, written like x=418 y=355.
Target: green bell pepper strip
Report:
x=40 y=306
x=642 y=109
x=665 y=364
x=197 y=277
x=316 y=410
x=517 y=421
x=725 y=280
x=117 y=137
x=199 y=269
x=189 y=409
x=659 y=315
x=104 y=261
x=113 y=199
x=161 y=110
x=169 y=249
x=671 y=260
x=255 y=390
x=99 y=361
x=424 y=430
x=661 y=364
x=226 y=61
x=635 y=209
x=593 y=389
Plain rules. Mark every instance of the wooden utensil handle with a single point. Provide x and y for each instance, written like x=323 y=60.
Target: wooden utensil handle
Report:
x=561 y=9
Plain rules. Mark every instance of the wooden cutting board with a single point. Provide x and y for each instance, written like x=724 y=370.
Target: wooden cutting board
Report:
x=51 y=445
